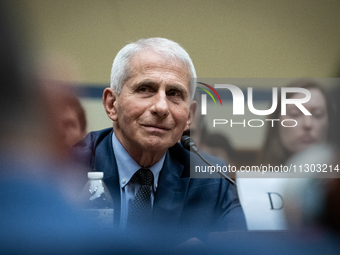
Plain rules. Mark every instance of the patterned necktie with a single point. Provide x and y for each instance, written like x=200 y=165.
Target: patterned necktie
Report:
x=140 y=213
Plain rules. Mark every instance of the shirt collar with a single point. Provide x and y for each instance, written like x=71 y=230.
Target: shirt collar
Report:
x=127 y=166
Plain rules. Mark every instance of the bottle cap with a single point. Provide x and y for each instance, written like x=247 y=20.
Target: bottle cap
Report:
x=95 y=175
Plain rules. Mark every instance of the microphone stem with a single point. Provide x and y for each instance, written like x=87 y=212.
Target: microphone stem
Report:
x=221 y=173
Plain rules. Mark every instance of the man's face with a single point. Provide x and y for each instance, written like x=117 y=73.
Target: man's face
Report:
x=311 y=128
x=153 y=107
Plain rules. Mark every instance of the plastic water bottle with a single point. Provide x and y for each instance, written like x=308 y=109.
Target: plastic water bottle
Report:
x=98 y=203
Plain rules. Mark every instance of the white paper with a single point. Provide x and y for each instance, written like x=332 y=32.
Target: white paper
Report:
x=262 y=200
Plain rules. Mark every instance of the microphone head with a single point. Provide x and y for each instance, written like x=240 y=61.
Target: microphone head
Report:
x=186 y=142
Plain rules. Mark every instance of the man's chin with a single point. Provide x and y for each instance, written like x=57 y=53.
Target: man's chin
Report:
x=158 y=144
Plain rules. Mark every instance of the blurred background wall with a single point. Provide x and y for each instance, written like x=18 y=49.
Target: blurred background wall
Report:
x=231 y=38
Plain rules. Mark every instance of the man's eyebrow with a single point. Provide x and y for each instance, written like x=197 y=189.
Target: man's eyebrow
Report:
x=177 y=87
x=145 y=82
x=150 y=82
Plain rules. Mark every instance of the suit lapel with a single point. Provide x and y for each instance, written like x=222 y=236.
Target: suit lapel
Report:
x=171 y=192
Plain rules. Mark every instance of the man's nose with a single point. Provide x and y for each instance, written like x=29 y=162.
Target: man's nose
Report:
x=160 y=105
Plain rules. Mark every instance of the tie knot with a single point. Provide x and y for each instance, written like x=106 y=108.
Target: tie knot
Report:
x=145 y=175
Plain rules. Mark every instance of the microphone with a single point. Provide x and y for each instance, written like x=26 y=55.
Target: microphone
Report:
x=189 y=144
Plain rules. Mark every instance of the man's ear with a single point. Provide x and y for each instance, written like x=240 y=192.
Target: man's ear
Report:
x=110 y=102
x=193 y=108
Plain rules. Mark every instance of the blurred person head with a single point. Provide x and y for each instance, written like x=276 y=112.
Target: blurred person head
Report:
x=282 y=142
x=69 y=113
x=313 y=202
x=73 y=121
x=150 y=99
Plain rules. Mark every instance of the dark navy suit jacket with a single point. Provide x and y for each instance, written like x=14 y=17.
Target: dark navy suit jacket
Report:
x=195 y=205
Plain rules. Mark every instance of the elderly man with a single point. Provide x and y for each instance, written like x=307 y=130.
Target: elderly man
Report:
x=145 y=169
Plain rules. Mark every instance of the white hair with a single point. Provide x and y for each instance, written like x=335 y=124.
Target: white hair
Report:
x=171 y=50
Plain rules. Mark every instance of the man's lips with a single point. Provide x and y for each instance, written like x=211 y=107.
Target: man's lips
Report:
x=156 y=126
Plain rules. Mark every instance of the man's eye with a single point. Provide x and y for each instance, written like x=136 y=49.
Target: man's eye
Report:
x=144 y=89
x=174 y=93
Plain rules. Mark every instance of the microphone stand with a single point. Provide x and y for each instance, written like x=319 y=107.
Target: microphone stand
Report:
x=188 y=143
x=208 y=163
